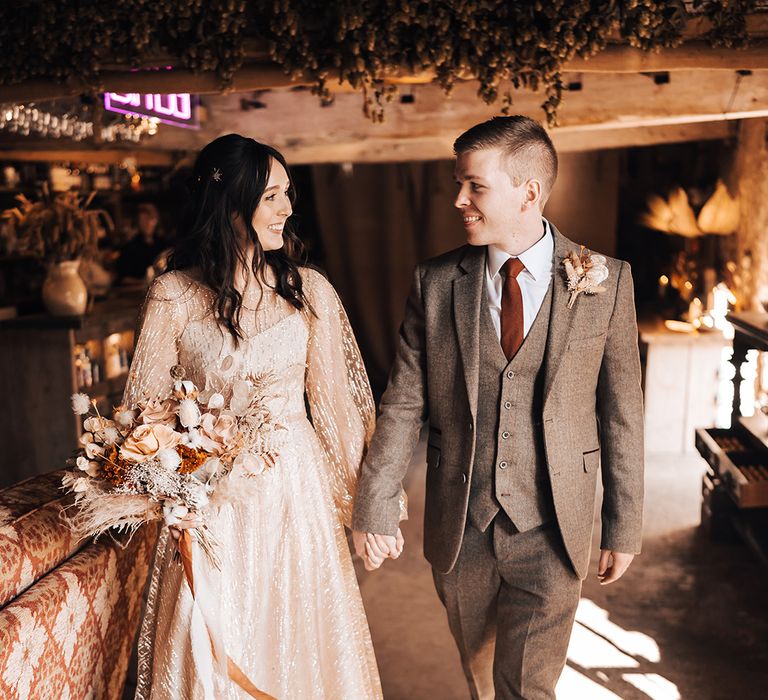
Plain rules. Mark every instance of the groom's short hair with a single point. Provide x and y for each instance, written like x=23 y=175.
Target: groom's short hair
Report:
x=526 y=145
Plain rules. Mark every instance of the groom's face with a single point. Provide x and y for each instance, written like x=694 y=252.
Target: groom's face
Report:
x=491 y=206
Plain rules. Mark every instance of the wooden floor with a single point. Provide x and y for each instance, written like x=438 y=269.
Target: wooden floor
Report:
x=689 y=620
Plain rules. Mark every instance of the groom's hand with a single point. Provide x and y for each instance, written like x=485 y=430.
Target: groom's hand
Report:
x=374 y=549
x=612 y=565
x=359 y=540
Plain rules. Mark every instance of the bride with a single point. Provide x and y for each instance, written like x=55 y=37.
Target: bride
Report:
x=238 y=302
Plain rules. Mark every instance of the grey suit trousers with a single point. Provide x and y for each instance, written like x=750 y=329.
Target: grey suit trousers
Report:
x=511 y=601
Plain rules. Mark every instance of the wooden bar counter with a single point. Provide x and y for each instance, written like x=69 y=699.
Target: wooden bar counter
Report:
x=43 y=361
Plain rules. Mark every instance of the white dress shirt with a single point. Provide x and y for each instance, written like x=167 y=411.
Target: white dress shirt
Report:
x=533 y=280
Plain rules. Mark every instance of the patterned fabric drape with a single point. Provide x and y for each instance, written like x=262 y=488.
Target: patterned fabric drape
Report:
x=68 y=621
x=29 y=515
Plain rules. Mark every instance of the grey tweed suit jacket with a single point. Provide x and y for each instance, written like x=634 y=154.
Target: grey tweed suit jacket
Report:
x=592 y=414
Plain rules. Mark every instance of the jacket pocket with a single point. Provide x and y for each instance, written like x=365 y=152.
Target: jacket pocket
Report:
x=591 y=460
x=592 y=342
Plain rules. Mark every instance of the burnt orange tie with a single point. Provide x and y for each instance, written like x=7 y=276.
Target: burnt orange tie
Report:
x=511 y=308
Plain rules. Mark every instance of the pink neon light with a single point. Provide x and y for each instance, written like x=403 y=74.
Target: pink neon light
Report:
x=128 y=98
x=176 y=109
x=178 y=106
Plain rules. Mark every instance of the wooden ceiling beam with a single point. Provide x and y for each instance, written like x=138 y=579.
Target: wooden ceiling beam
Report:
x=609 y=111
x=295 y=119
x=576 y=141
x=81 y=154
x=379 y=150
x=691 y=56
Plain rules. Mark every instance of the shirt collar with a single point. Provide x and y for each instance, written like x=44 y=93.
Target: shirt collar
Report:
x=537 y=259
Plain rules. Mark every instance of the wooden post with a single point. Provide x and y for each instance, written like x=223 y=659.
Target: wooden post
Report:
x=751 y=182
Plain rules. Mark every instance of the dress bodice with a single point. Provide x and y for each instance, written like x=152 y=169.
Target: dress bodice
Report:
x=274 y=342
x=290 y=353
x=279 y=351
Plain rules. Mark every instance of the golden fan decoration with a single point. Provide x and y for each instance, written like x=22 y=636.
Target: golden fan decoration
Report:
x=719 y=215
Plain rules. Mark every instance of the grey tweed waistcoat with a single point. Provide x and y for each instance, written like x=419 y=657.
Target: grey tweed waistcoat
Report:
x=510 y=470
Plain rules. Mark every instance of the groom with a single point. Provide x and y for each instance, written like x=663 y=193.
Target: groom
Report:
x=527 y=400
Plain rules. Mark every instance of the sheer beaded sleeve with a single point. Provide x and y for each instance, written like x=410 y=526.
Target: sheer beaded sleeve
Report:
x=338 y=390
x=156 y=343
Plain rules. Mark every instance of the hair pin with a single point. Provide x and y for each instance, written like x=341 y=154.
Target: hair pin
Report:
x=216 y=175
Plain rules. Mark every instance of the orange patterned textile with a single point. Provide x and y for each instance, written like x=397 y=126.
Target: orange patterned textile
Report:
x=33 y=539
x=69 y=634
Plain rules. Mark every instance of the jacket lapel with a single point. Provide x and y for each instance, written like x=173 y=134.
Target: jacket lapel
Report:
x=467 y=290
x=561 y=318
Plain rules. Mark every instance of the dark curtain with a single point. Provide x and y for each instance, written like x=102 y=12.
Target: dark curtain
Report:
x=376 y=223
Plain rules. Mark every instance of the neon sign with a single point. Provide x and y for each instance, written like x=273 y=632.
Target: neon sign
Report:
x=178 y=109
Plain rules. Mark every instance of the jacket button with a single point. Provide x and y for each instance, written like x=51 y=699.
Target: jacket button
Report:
x=507 y=405
x=510 y=374
x=503 y=465
x=463 y=478
x=471 y=427
x=504 y=435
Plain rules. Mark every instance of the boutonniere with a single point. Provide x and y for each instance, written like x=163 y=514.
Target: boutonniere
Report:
x=584 y=272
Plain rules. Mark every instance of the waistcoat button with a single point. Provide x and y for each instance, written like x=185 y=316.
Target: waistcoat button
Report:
x=510 y=374
x=503 y=465
x=507 y=405
x=505 y=435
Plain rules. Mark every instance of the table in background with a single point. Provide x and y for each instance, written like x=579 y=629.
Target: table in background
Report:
x=680 y=384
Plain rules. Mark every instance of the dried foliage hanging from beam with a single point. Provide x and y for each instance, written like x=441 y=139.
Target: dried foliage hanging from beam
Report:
x=502 y=44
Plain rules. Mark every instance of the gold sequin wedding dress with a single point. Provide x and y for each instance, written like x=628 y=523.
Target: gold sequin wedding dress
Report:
x=286 y=595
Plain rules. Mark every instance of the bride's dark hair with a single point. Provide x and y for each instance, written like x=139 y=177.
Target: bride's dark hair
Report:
x=228 y=180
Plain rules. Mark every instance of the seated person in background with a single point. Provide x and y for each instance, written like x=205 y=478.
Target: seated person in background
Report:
x=139 y=253
x=96 y=268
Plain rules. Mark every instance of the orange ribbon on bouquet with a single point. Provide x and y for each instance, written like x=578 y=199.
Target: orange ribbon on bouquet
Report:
x=236 y=674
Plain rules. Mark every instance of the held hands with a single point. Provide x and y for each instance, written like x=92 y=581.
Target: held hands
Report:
x=612 y=566
x=374 y=549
